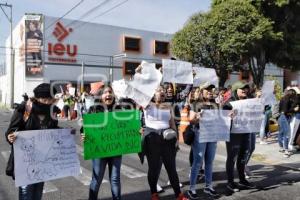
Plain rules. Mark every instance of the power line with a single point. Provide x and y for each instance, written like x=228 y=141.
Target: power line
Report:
x=82 y=16
x=65 y=14
x=89 y=12
x=110 y=9
x=107 y=11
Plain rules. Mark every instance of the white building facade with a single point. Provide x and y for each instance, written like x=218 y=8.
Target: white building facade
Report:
x=62 y=50
x=52 y=50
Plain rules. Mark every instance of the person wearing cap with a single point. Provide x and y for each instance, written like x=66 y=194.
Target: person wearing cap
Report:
x=35 y=114
x=203 y=151
x=238 y=146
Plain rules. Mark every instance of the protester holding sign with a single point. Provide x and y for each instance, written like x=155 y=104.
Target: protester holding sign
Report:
x=107 y=104
x=286 y=110
x=159 y=144
x=238 y=146
x=204 y=150
x=35 y=114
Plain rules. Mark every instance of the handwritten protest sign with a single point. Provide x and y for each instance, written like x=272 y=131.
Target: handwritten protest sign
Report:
x=268 y=97
x=175 y=71
x=203 y=75
x=111 y=134
x=43 y=155
x=142 y=88
x=249 y=116
x=214 y=126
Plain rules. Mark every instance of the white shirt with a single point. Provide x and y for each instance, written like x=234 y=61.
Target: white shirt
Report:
x=157 y=118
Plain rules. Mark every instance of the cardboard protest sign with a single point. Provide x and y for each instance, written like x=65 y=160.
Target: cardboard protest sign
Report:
x=268 y=96
x=249 y=116
x=111 y=134
x=203 y=75
x=142 y=88
x=214 y=126
x=175 y=71
x=42 y=155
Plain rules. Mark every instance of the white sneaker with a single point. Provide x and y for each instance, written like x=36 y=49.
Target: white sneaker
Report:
x=263 y=142
x=180 y=184
x=159 y=189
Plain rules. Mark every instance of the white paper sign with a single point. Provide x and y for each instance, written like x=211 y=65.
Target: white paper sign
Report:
x=204 y=75
x=72 y=91
x=142 y=88
x=175 y=71
x=119 y=88
x=214 y=126
x=249 y=116
x=268 y=97
x=89 y=101
x=294 y=125
x=42 y=155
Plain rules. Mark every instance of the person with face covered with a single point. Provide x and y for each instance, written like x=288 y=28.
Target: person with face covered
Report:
x=158 y=118
x=35 y=114
x=106 y=104
x=238 y=147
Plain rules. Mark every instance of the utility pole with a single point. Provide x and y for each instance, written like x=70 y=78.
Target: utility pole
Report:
x=12 y=68
x=82 y=78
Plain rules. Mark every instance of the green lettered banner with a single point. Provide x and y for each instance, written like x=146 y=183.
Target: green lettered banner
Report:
x=111 y=134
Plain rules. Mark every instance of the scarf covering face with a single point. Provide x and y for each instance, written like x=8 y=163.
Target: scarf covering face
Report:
x=41 y=109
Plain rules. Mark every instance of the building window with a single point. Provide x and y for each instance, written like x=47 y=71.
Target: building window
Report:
x=132 y=44
x=161 y=48
x=129 y=67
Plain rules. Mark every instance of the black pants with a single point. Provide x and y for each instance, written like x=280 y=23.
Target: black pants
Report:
x=237 y=152
x=159 y=150
x=66 y=109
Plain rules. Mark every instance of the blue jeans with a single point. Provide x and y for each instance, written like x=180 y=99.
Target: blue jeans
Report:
x=31 y=192
x=114 y=167
x=202 y=152
x=284 y=131
x=265 y=122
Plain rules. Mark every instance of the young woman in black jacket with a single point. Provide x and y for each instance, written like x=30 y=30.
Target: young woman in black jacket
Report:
x=35 y=114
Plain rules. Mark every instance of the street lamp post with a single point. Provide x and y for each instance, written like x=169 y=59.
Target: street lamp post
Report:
x=12 y=69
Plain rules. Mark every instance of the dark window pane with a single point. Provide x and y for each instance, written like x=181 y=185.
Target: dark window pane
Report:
x=161 y=47
x=129 y=68
x=132 y=44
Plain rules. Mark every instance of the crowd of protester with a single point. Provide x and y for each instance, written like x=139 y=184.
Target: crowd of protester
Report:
x=173 y=111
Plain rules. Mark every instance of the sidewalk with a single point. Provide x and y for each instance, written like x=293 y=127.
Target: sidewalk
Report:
x=269 y=154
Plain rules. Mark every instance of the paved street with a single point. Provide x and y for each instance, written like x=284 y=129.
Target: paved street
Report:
x=275 y=180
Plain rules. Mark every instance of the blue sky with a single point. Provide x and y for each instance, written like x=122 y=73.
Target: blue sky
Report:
x=156 y=15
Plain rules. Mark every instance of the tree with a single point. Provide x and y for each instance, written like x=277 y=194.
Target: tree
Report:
x=232 y=33
x=285 y=15
x=194 y=44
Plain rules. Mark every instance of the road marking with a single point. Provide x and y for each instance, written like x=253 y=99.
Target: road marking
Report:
x=125 y=170
x=85 y=176
x=131 y=172
x=48 y=187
